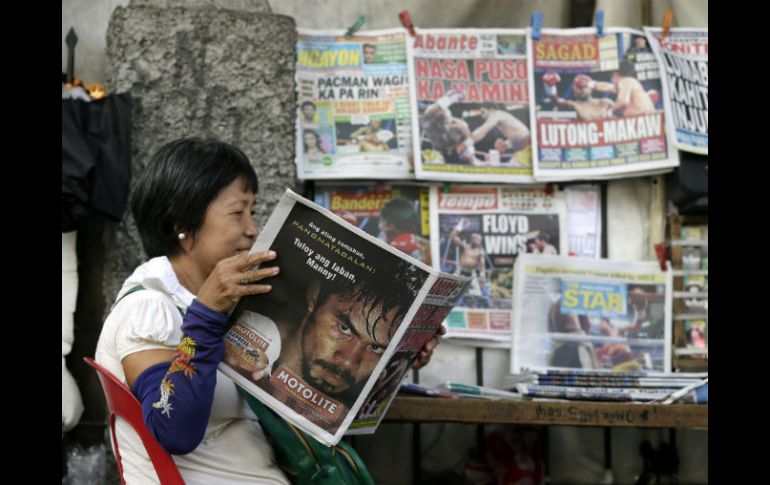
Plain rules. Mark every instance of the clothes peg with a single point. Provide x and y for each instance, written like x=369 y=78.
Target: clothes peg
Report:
x=668 y=18
x=660 y=250
x=549 y=189
x=536 y=22
x=406 y=21
x=600 y=23
x=356 y=26
x=446 y=187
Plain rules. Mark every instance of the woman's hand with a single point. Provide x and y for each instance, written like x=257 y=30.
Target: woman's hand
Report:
x=427 y=351
x=233 y=278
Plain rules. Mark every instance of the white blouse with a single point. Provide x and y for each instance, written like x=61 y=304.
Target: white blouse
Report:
x=234 y=449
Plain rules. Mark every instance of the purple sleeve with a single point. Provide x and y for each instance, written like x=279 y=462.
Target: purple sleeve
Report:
x=176 y=397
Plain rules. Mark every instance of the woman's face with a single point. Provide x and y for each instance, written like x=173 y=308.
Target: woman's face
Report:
x=228 y=227
x=310 y=140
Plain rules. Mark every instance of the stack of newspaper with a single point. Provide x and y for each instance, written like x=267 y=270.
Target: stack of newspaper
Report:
x=581 y=384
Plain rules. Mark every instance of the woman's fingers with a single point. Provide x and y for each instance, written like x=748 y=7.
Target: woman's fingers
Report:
x=251 y=276
x=252 y=289
x=243 y=262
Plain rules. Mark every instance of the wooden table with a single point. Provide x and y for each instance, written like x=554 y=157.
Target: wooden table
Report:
x=575 y=413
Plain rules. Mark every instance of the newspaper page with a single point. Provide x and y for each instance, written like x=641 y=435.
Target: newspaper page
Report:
x=314 y=346
x=582 y=313
x=396 y=213
x=584 y=220
x=479 y=231
x=472 y=111
x=353 y=105
x=597 y=106
x=684 y=61
x=442 y=296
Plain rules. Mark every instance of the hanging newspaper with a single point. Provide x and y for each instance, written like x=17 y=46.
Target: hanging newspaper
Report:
x=583 y=313
x=584 y=220
x=313 y=348
x=353 y=105
x=684 y=60
x=394 y=213
x=597 y=106
x=440 y=300
x=479 y=231
x=472 y=110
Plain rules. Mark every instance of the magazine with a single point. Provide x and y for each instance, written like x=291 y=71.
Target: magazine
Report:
x=581 y=313
x=437 y=304
x=684 y=61
x=472 y=105
x=583 y=378
x=479 y=231
x=596 y=106
x=353 y=105
x=577 y=393
x=342 y=307
x=396 y=213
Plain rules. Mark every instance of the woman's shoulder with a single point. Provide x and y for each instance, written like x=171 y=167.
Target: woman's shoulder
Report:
x=154 y=282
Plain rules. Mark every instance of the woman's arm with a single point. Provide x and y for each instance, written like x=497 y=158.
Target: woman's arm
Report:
x=176 y=388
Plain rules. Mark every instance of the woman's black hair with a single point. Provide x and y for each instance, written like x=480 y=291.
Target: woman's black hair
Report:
x=177 y=186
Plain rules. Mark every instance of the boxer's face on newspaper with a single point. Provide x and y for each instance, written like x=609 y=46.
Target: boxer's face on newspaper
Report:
x=582 y=93
x=388 y=229
x=342 y=342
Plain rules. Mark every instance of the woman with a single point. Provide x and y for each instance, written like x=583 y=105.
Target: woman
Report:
x=312 y=143
x=193 y=206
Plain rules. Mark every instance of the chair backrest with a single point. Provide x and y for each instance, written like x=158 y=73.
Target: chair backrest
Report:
x=121 y=402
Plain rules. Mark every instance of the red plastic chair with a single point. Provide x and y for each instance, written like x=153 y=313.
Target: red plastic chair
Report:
x=121 y=402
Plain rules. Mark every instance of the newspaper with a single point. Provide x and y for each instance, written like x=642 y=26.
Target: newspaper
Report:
x=584 y=220
x=314 y=346
x=581 y=378
x=597 y=106
x=577 y=393
x=479 y=231
x=472 y=110
x=353 y=105
x=396 y=213
x=437 y=304
x=684 y=61
x=572 y=312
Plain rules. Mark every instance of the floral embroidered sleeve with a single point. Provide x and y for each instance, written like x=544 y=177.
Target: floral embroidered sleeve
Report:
x=176 y=397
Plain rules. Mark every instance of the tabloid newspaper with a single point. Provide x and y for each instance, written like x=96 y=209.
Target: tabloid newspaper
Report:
x=479 y=231
x=684 y=61
x=581 y=313
x=596 y=106
x=584 y=220
x=472 y=105
x=353 y=106
x=343 y=307
x=580 y=393
x=396 y=213
x=602 y=385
